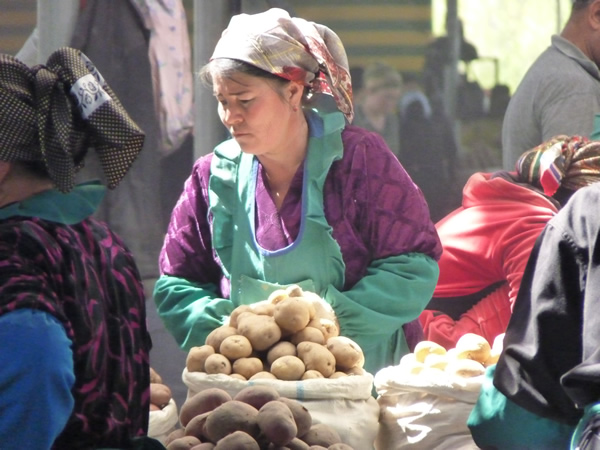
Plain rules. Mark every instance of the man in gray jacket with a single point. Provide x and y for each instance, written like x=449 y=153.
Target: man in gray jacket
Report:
x=560 y=93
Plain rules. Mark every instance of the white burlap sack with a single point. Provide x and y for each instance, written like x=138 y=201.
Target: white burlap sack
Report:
x=424 y=413
x=162 y=422
x=346 y=404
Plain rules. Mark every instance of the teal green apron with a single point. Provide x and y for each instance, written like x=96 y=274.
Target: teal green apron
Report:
x=314 y=260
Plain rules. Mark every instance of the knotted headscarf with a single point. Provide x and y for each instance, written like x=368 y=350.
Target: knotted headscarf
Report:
x=54 y=112
x=570 y=162
x=291 y=48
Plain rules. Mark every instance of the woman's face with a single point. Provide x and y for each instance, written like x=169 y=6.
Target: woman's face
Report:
x=256 y=114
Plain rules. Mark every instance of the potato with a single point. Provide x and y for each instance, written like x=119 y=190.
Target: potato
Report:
x=316 y=357
x=247 y=367
x=203 y=401
x=183 y=443
x=277 y=295
x=175 y=434
x=238 y=440
x=289 y=368
x=436 y=361
x=300 y=413
x=340 y=446
x=473 y=346
x=310 y=334
x=204 y=446
x=294 y=290
x=347 y=353
x=312 y=374
x=424 y=348
x=261 y=331
x=264 y=375
x=160 y=394
x=238 y=376
x=291 y=314
x=337 y=374
x=196 y=357
x=264 y=308
x=233 y=317
x=229 y=417
x=195 y=427
x=294 y=444
x=277 y=423
x=155 y=377
x=321 y=434
x=355 y=371
x=328 y=327
x=216 y=336
x=465 y=368
x=154 y=407
x=235 y=347
x=257 y=395
x=217 y=363
x=282 y=348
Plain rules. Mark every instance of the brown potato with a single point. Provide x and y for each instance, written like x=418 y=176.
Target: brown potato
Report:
x=424 y=348
x=340 y=446
x=233 y=317
x=316 y=357
x=293 y=290
x=238 y=376
x=277 y=295
x=465 y=368
x=175 y=434
x=204 y=446
x=238 y=440
x=311 y=374
x=310 y=334
x=203 y=401
x=292 y=314
x=257 y=395
x=282 y=348
x=183 y=443
x=154 y=407
x=261 y=331
x=301 y=414
x=289 y=368
x=217 y=363
x=235 y=347
x=328 y=327
x=247 y=367
x=321 y=434
x=155 y=377
x=347 y=353
x=160 y=394
x=265 y=308
x=216 y=336
x=195 y=427
x=196 y=357
x=276 y=422
x=229 y=417
x=264 y=375
x=337 y=374
x=355 y=371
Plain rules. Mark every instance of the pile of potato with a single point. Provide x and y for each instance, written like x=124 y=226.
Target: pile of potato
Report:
x=292 y=335
x=469 y=358
x=256 y=418
x=160 y=393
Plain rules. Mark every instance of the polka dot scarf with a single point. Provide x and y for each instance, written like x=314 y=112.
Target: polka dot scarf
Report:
x=53 y=113
x=568 y=161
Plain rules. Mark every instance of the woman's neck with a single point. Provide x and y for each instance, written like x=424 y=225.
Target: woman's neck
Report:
x=16 y=189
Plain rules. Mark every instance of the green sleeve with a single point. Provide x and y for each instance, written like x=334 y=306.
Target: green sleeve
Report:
x=189 y=310
x=394 y=291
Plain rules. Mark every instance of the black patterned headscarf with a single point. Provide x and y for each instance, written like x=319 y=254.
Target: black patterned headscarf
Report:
x=53 y=113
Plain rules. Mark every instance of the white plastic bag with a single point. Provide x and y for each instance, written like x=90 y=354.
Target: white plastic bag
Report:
x=346 y=404
x=424 y=413
x=163 y=421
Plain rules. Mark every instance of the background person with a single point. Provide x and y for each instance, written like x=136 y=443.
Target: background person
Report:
x=74 y=357
x=297 y=196
x=487 y=241
x=560 y=93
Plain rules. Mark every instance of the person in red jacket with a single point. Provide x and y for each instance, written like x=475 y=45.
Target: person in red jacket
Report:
x=487 y=241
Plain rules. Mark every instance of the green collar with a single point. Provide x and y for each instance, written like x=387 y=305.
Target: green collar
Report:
x=54 y=206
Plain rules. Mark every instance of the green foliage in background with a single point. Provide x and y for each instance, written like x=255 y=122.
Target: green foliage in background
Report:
x=513 y=31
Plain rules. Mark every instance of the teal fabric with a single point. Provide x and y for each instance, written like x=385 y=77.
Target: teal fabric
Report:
x=589 y=413
x=497 y=422
x=314 y=257
x=54 y=206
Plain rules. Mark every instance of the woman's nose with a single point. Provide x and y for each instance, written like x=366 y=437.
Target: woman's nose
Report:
x=231 y=116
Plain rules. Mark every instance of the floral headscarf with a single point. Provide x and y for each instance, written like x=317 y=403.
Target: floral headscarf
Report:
x=291 y=48
x=568 y=161
x=51 y=113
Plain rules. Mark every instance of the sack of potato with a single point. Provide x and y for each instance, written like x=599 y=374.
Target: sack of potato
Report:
x=163 y=417
x=257 y=417
x=426 y=399
x=291 y=342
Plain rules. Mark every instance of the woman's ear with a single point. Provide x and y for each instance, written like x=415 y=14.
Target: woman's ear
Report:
x=594 y=15
x=296 y=91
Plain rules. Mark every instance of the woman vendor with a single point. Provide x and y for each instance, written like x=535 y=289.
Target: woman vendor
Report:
x=297 y=196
